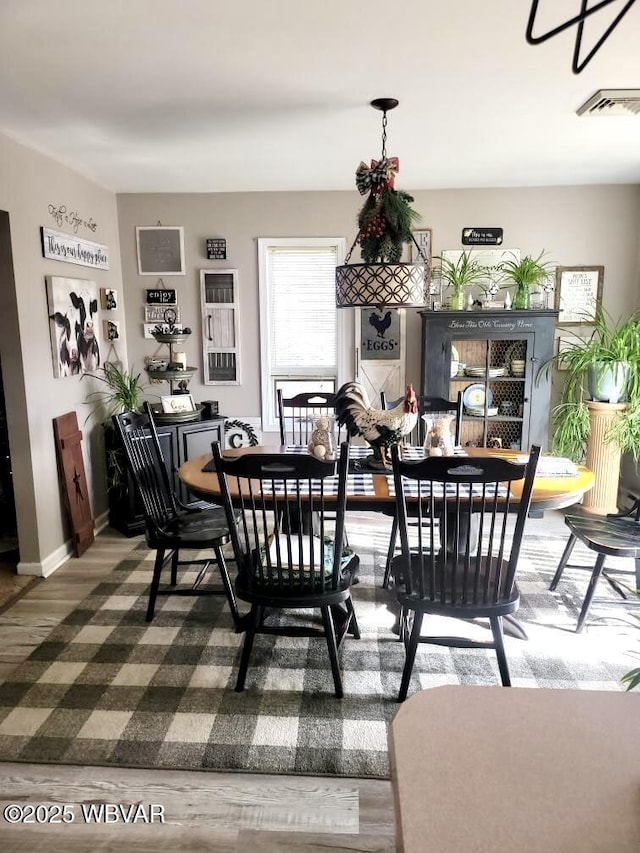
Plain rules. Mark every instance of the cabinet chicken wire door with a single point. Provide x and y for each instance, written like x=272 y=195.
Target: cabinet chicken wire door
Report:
x=220 y=326
x=381 y=352
x=496 y=390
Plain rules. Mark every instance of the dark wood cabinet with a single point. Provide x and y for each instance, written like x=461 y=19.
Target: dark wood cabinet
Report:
x=179 y=442
x=506 y=404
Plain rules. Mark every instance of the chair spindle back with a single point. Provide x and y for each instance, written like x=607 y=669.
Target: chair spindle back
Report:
x=281 y=498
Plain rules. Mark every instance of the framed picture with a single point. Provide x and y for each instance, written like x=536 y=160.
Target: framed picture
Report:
x=564 y=345
x=111 y=330
x=161 y=314
x=178 y=403
x=73 y=316
x=578 y=293
x=380 y=332
x=423 y=239
x=160 y=250
x=108 y=299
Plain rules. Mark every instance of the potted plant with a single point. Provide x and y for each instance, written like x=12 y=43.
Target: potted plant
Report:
x=604 y=368
x=525 y=274
x=122 y=392
x=458 y=275
x=632 y=678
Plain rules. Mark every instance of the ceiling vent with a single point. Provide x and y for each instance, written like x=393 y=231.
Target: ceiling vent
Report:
x=612 y=102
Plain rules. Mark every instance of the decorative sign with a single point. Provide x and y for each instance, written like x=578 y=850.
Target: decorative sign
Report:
x=578 y=293
x=73 y=250
x=158 y=314
x=242 y=432
x=164 y=296
x=160 y=250
x=216 y=249
x=508 y=324
x=482 y=236
x=421 y=251
x=380 y=338
x=492 y=260
x=62 y=216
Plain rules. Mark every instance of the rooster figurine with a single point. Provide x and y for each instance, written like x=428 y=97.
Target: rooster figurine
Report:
x=379 y=427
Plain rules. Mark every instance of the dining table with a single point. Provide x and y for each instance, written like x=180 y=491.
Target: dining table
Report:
x=369 y=489
x=373 y=489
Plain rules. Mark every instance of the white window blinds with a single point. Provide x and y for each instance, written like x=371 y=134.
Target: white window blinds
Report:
x=302 y=308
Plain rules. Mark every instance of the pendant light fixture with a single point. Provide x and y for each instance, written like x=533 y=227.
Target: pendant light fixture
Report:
x=384 y=222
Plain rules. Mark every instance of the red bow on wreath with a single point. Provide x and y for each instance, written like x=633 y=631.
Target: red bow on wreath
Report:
x=379 y=176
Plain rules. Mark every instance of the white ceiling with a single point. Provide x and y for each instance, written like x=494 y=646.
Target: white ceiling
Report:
x=243 y=95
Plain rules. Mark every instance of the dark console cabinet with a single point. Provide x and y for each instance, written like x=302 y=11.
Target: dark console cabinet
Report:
x=179 y=442
x=494 y=358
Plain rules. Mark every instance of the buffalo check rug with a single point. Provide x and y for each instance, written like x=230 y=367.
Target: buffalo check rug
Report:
x=107 y=688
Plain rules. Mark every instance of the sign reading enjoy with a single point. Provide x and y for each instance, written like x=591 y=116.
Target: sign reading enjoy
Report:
x=74 y=250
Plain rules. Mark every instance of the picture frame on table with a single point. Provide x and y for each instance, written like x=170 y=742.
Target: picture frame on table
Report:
x=160 y=249
x=176 y=403
x=578 y=294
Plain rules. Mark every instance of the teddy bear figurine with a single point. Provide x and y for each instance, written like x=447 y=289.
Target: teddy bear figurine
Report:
x=321 y=441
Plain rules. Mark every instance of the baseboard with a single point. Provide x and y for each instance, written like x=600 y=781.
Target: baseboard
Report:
x=60 y=555
x=49 y=564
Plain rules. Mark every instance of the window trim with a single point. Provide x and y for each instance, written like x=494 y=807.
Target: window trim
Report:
x=344 y=328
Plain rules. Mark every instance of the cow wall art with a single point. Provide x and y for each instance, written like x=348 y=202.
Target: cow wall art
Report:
x=73 y=320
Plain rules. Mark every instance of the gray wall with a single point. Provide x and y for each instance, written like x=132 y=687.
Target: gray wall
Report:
x=29 y=182
x=576 y=225
x=595 y=225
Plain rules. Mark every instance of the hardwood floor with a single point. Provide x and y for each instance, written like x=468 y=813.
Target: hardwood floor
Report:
x=230 y=813
x=226 y=812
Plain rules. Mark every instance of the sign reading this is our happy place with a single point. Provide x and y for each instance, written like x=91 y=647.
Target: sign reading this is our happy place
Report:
x=74 y=250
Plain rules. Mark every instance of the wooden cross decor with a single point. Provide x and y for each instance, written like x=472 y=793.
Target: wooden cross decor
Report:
x=71 y=464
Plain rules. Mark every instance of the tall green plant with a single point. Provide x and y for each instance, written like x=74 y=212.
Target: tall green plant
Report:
x=527 y=271
x=525 y=274
x=459 y=274
x=122 y=394
x=609 y=343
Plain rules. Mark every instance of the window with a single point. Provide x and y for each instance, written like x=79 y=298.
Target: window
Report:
x=301 y=330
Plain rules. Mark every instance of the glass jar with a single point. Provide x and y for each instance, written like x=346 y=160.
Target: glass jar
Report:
x=522 y=296
x=439 y=436
x=458 y=300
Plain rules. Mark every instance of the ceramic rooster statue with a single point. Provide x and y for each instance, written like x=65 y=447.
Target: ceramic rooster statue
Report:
x=380 y=428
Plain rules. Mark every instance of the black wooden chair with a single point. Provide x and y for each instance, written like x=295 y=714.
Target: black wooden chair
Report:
x=615 y=535
x=298 y=414
x=281 y=567
x=171 y=526
x=465 y=563
x=426 y=406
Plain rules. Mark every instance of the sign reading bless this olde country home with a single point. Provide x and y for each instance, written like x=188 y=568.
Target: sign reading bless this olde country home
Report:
x=74 y=250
